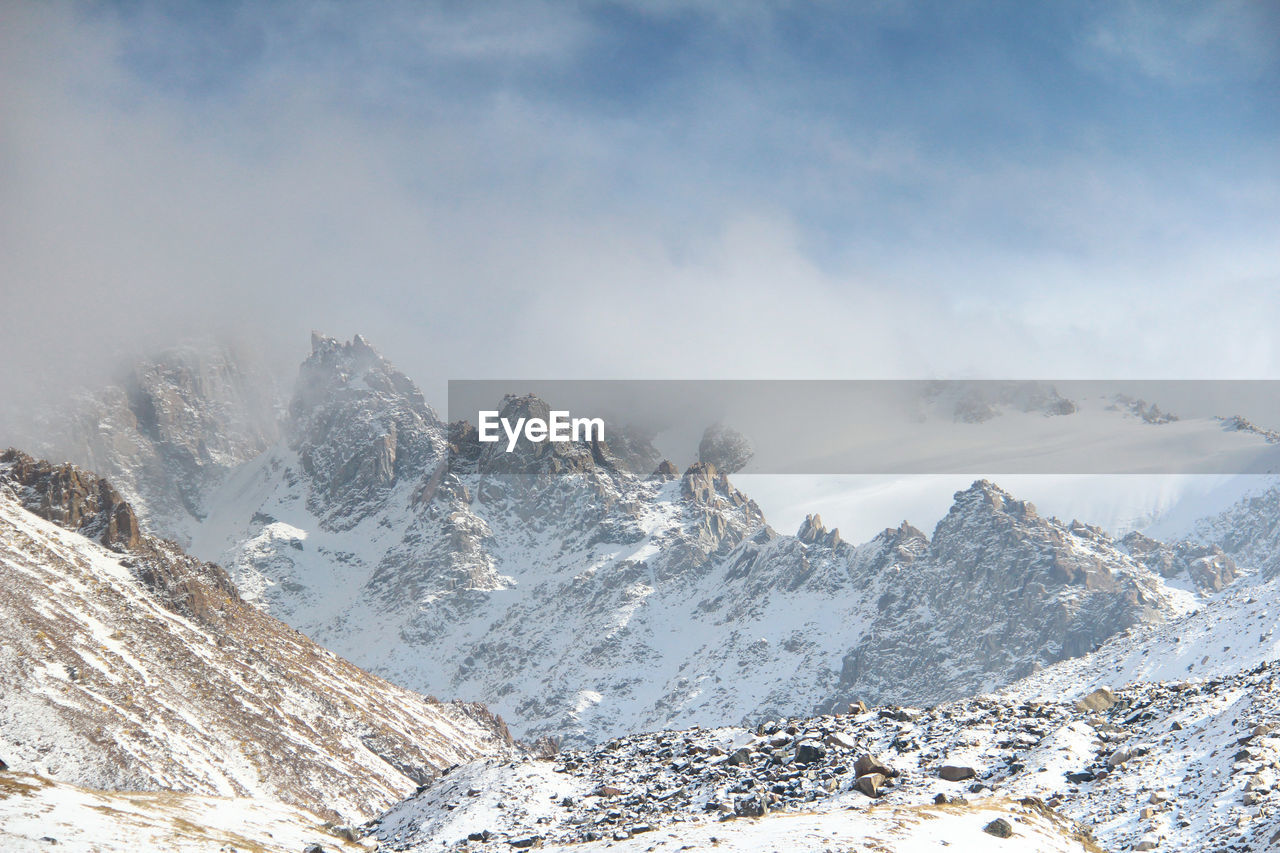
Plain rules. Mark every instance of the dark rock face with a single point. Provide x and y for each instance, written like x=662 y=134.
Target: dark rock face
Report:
x=71 y=498
x=198 y=590
x=725 y=448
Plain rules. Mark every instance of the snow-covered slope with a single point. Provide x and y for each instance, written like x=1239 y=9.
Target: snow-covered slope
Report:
x=1175 y=766
x=38 y=814
x=126 y=664
x=579 y=599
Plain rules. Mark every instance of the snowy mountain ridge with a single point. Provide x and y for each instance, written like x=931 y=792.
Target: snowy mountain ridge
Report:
x=584 y=599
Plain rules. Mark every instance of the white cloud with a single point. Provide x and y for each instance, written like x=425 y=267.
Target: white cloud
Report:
x=497 y=232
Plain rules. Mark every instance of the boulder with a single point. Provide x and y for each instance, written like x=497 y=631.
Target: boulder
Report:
x=956 y=772
x=809 y=752
x=346 y=833
x=841 y=740
x=870 y=784
x=751 y=806
x=1000 y=828
x=1119 y=757
x=868 y=763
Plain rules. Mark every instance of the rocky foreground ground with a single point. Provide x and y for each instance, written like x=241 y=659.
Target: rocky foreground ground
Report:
x=1177 y=766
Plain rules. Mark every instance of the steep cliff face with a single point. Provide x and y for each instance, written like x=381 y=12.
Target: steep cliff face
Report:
x=138 y=667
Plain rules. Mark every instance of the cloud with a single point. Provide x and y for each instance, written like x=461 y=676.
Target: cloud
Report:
x=610 y=190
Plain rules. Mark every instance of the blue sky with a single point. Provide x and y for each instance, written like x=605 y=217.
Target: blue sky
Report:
x=658 y=189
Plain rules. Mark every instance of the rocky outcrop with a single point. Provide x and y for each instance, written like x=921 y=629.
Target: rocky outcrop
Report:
x=1207 y=566
x=1045 y=590
x=71 y=498
x=814 y=532
x=665 y=471
x=1249 y=530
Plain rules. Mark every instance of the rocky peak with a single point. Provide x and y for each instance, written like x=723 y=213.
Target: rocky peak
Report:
x=359 y=427
x=166 y=431
x=355 y=368
x=987 y=514
x=813 y=532
x=703 y=484
x=901 y=545
x=71 y=498
x=985 y=497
